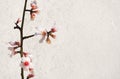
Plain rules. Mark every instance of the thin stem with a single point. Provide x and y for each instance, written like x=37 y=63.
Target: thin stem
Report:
x=29 y=36
x=28 y=10
x=27 y=78
x=24 y=14
x=21 y=37
x=17 y=26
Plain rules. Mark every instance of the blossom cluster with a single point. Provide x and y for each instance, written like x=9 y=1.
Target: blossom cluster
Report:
x=34 y=10
x=26 y=64
x=26 y=58
x=13 y=47
x=47 y=34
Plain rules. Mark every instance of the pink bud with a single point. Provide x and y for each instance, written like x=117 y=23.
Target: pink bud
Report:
x=33 y=6
x=33 y=16
x=25 y=54
x=30 y=69
x=30 y=75
x=53 y=29
x=18 y=21
x=15 y=43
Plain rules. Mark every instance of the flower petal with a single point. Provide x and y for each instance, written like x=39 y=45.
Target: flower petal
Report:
x=48 y=40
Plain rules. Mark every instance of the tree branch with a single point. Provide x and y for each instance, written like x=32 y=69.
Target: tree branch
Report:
x=29 y=36
x=17 y=26
x=21 y=37
x=28 y=10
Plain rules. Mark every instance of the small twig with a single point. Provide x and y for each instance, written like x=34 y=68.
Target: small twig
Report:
x=17 y=26
x=31 y=11
x=48 y=33
x=18 y=51
x=29 y=36
x=28 y=10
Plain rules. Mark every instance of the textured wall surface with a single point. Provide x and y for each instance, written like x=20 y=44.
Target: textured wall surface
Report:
x=87 y=44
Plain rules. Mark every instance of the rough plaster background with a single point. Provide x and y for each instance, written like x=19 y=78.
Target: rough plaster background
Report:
x=87 y=44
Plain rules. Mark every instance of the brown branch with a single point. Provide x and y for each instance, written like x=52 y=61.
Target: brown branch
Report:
x=29 y=36
x=28 y=10
x=17 y=26
x=21 y=37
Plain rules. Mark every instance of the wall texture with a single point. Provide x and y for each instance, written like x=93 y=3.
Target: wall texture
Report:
x=87 y=44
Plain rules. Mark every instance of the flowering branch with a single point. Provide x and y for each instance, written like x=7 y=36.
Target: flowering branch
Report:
x=26 y=58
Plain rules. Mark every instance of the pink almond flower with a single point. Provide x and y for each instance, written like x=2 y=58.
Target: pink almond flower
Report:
x=33 y=5
x=14 y=46
x=16 y=43
x=34 y=13
x=47 y=35
x=13 y=52
x=34 y=10
x=26 y=63
x=32 y=16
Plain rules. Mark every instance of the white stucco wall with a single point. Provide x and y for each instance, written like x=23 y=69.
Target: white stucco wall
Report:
x=87 y=44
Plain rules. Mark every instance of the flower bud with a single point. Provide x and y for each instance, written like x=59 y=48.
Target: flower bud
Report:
x=18 y=21
x=53 y=29
x=33 y=16
x=48 y=40
x=30 y=75
x=53 y=36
